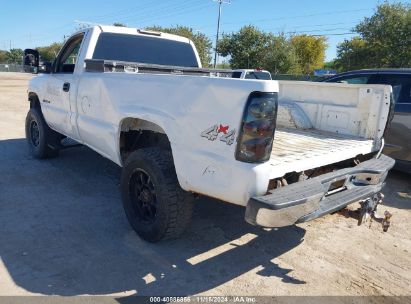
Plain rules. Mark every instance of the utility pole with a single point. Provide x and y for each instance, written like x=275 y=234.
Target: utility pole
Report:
x=218 y=26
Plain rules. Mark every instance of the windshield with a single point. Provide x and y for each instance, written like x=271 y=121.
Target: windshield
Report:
x=258 y=75
x=142 y=49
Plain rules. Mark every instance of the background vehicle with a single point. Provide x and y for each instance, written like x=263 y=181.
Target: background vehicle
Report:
x=398 y=136
x=251 y=74
x=289 y=152
x=31 y=61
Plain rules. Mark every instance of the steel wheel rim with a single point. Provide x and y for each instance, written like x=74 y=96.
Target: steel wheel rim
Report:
x=34 y=133
x=143 y=196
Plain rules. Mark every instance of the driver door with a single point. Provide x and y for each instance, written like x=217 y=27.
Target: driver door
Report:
x=61 y=87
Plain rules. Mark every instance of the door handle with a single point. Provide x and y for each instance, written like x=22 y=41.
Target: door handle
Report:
x=66 y=87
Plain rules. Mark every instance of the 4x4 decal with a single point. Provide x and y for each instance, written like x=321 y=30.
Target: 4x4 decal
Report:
x=215 y=131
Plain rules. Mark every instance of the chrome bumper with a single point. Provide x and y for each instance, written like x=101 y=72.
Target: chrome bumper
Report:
x=312 y=198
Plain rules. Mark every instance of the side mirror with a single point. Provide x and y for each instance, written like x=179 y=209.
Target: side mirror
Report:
x=46 y=67
x=31 y=61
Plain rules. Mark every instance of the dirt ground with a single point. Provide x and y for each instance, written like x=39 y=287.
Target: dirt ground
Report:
x=63 y=232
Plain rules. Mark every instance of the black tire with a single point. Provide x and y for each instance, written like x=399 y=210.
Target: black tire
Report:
x=156 y=206
x=43 y=142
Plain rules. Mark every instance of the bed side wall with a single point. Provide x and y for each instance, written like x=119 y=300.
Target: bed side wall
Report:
x=354 y=110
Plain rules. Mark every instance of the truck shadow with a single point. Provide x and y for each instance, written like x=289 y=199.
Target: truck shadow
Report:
x=63 y=232
x=398 y=193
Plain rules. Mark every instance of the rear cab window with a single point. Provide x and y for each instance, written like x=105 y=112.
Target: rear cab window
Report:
x=143 y=49
x=258 y=75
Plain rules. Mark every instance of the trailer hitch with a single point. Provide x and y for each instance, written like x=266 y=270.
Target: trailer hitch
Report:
x=368 y=212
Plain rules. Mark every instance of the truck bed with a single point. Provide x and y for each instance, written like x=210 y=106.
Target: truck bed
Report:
x=299 y=150
x=318 y=125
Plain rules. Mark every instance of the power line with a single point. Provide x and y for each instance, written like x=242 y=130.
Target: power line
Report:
x=308 y=28
x=118 y=12
x=294 y=28
x=149 y=12
x=320 y=30
x=143 y=10
x=176 y=13
x=335 y=34
x=150 y=8
x=304 y=16
x=288 y=17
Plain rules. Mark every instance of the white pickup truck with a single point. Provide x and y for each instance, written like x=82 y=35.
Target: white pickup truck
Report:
x=288 y=152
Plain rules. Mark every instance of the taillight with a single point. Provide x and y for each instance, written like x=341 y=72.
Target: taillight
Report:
x=257 y=128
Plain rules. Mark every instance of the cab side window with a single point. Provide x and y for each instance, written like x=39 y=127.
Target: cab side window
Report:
x=67 y=58
x=401 y=87
x=358 y=79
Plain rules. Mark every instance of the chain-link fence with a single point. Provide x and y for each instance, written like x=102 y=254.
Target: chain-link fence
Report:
x=11 y=67
x=295 y=77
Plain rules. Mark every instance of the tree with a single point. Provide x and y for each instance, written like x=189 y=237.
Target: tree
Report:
x=330 y=65
x=388 y=33
x=15 y=56
x=247 y=48
x=48 y=53
x=251 y=48
x=223 y=65
x=310 y=52
x=384 y=40
x=119 y=24
x=3 y=56
x=201 y=41
x=280 y=56
x=354 y=54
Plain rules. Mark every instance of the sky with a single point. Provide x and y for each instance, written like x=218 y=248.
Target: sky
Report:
x=25 y=24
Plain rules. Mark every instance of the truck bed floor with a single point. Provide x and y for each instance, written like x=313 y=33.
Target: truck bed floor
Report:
x=299 y=150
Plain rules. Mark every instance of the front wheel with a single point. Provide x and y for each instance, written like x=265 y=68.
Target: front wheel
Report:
x=41 y=139
x=155 y=205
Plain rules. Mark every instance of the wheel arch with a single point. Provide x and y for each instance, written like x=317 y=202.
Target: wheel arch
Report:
x=34 y=101
x=136 y=133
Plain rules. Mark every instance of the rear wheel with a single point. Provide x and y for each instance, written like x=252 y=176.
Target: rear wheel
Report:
x=43 y=142
x=155 y=205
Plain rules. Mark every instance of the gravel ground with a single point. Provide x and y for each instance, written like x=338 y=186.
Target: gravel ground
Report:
x=63 y=232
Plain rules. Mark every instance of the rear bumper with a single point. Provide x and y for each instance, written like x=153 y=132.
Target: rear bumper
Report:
x=307 y=200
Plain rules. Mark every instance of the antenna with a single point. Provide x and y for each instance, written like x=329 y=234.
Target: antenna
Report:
x=84 y=24
x=218 y=26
